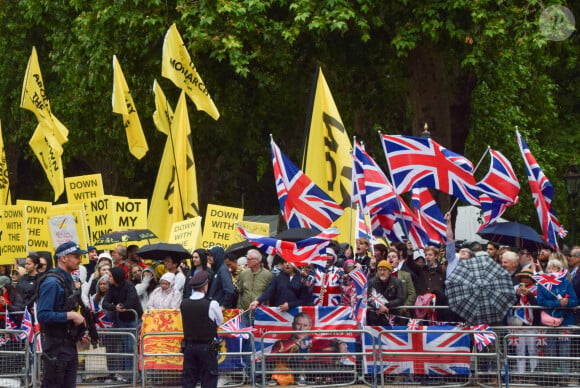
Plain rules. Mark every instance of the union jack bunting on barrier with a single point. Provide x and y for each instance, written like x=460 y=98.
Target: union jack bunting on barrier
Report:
x=542 y=193
x=421 y=162
x=427 y=346
x=311 y=250
x=499 y=188
x=302 y=203
x=430 y=216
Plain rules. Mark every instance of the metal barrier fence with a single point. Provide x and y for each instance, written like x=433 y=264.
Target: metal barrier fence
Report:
x=14 y=359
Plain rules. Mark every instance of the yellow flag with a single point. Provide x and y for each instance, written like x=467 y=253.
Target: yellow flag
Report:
x=123 y=104
x=163 y=113
x=178 y=67
x=48 y=150
x=175 y=195
x=35 y=99
x=327 y=156
x=4 y=181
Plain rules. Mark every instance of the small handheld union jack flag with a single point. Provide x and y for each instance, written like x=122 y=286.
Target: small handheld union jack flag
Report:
x=414 y=324
x=547 y=280
x=27 y=327
x=377 y=299
x=235 y=324
x=483 y=337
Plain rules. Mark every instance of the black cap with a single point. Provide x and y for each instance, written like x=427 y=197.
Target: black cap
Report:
x=199 y=280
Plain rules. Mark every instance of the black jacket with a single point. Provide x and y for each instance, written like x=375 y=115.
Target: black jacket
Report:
x=124 y=292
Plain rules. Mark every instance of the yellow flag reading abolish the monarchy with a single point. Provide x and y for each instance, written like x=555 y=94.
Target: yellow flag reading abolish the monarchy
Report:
x=163 y=113
x=48 y=150
x=178 y=67
x=123 y=104
x=327 y=156
x=175 y=195
x=4 y=181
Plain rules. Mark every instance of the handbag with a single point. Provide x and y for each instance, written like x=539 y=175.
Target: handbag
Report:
x=96 y=361
x=548 y=320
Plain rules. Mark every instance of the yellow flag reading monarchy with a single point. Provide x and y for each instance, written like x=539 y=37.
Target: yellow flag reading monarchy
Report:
x=327 y=156
x=123 y=104
x=4 y=181
x=175 y=194
x=178 y=67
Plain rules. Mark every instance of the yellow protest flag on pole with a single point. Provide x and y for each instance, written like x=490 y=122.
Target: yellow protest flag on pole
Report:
x=35 y=99
x=175 y=194
x=4 y=180
x=123 y=104
x=49 y=151
x=177 y=66
x=163 y=113
x=327 y=156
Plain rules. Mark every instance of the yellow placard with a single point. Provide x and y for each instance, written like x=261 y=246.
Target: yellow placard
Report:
x=99 y=216
x=129 y=213
x=12 y=233
x=186 y=233
x=261 y=228
x=37 y=225
x=220 y=226
x=79 y=189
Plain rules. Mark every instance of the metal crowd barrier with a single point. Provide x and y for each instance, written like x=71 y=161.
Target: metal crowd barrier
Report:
x=14 y=359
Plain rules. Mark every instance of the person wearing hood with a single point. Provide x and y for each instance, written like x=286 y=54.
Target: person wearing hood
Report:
x=173 y=265
x=165 y=296
x=221 y=288
x=120 y=298
x=146 y=284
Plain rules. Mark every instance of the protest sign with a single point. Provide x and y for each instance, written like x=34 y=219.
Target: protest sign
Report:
x=62 y=229
x=220 y=226
x=129 y=213
x=77 y=210
x=79 y=189
x=12 y=233
x=186 y=233
x=37 y=225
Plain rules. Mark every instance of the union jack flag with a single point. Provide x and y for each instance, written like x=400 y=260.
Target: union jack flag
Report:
x=359 y=311
x=512 y=339
x=4 y=339
x=235 y=324
x=103 y=321
x=302 y=203
x=431 y=348
x=377 y=299
x=541 y=340
x=338 y=319
x=311 y=250
x=27 y=327
x=550 y=279
x=483 y=337
x=36 y=338
x=359 y=279
x=421 y=162
x=329 y=281
x=542 y=193
x=499 y=188
x=363 y=230
x=430 y=216
x=414 y=324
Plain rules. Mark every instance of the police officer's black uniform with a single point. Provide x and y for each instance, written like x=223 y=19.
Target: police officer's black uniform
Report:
x=199 y=333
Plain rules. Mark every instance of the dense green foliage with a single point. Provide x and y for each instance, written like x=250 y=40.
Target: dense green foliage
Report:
x=492 y=70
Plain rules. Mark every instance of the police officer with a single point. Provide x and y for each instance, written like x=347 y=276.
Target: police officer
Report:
x=60 y=323
x=201 y=318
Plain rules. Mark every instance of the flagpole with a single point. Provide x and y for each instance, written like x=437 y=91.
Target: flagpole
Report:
x=352 y=183
x=474 y=170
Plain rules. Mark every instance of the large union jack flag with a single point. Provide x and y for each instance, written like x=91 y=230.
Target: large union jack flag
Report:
x=433 y=344
x=430 y=216
x=302 y=203
x=421 y=162
x=542 y=193
x=499 y=188
x=338 y=319
x=311 y=250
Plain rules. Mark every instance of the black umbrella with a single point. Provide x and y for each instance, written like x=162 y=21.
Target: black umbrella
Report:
x=480 y=291
x=125 y=236
x=240 y=248
x=296 y=234
x=513 y=234
x=160 y=250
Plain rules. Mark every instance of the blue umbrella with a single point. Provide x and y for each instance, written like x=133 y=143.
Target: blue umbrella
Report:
x=513 y=234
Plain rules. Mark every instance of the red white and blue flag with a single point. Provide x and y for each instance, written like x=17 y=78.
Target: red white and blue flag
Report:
x=359 y=311
x=338 y=319
x=103 y=320
x=483 y=336
x=302 y=203
x=421 y=162
x=548 y=280
x=431 y=348
x=499 y=188
x=326 y=290
x=542 y=193
x=27 y=327
x=363 y=230
x=235 y=325
x=430 y=216
x=311 y=250
x=526 y=315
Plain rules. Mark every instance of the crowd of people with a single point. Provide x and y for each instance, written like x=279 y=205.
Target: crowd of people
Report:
x=124 y=285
